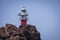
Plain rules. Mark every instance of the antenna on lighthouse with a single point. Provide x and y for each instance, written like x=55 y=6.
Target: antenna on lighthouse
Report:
x=23 y=16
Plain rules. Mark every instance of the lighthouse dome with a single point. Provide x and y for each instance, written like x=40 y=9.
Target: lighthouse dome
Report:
x=23 y=8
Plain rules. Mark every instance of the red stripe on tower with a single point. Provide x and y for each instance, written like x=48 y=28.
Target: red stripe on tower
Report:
x=23 y=22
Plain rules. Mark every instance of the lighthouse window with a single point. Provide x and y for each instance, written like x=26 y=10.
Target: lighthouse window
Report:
x=23 y=10
x=23 y=16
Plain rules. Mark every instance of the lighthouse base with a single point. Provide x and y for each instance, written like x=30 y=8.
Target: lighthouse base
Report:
x=23 y=22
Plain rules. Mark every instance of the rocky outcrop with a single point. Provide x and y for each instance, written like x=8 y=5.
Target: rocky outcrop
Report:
x=24 y=32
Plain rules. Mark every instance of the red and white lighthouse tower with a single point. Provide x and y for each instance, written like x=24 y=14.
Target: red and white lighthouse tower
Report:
x=23 y=16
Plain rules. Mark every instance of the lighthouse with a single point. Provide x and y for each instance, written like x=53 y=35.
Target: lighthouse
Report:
x=23 y=16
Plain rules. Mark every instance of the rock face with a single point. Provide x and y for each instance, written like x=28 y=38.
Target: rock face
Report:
x=24 y=32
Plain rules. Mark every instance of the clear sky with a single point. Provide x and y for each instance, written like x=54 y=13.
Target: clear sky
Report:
x=44 y=14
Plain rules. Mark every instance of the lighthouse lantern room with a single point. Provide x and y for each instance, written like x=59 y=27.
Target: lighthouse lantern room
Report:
x=23 y=16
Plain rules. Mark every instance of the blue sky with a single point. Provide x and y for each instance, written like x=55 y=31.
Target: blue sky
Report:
x=44 y=14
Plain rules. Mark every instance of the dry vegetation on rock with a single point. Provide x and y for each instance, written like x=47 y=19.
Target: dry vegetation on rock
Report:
x=24 y=32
